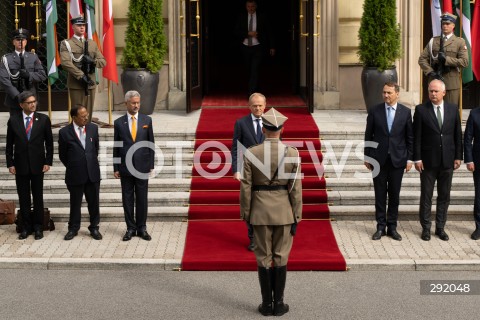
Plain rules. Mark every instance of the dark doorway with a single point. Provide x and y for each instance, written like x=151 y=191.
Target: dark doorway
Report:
x=224 y=68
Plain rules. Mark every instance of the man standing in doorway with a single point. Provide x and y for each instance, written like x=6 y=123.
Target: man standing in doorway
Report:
x=79 y=58
x=254 y=32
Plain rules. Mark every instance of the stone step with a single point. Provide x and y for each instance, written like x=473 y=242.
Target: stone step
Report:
x=160 y=199
x=406 y=212
x=459 y=183
x=367 y=197
x=361 y=172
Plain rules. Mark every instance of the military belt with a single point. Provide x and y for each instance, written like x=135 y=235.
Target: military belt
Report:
x=270 y=188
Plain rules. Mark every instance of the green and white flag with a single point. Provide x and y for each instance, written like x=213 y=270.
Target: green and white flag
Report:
x=467 y=74
x=53 y=59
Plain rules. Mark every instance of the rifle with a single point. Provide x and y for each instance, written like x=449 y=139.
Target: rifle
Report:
x=86 y=67
x=22 y=85
x=440 y=67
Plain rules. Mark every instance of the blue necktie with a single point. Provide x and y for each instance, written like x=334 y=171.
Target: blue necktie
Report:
x=259 y=131
x=389 y=118
x=28 y=128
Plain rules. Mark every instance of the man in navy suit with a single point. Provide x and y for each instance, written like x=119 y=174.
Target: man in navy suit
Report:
x=133 y=164
x=472 y=160
x=254 y=32
x=390 y=126
x=78 y=145
x=246 y=133
x=437 y=152
x=29 y=153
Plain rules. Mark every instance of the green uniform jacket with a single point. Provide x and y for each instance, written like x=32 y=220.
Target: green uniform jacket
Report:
x=457 y=58
x=277 y=207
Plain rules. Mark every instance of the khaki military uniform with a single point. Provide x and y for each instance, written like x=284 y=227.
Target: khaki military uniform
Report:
x=456 y=59
x=272 y=206
x=76 y=87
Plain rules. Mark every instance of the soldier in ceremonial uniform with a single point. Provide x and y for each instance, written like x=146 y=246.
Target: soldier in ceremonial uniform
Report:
x=74 y=56
x=20 y=71
x=271 y=200
x=446 y=65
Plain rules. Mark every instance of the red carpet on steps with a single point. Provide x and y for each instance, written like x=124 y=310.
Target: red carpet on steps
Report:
x=216 y=238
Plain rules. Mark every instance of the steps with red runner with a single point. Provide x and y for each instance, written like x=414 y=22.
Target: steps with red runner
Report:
x=216 y=238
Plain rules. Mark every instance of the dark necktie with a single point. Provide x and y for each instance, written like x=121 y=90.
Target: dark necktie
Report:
x=259 y=131
x=250 y=28
x=439 y=117
x=28 y=127
x=81 y=135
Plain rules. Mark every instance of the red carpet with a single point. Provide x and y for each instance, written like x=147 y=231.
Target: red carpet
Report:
x=216 y=238
x=241 y=100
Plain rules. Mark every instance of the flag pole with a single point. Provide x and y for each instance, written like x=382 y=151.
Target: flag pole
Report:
x=460 y=74
x=109 y=104
x=49 y=100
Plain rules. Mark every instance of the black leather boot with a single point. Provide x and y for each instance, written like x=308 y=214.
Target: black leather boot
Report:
x=280 y=275
x=265 y=286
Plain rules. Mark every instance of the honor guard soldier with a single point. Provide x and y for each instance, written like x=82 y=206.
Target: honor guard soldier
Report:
x=271 y=200
x=444 y=57
x=20 y=71
x=79 y=58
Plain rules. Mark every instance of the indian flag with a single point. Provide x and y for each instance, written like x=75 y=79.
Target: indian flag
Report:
x=53 y=59
x=463 y=11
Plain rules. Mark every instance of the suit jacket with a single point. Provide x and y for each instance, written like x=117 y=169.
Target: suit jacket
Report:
x=398 y=142
x=32 y=65
x=143 y=158
x=434 y=146
x=81 y=164
x=278 y=207
x=29 y=156
x=243 y=132
x=472 y=138
x=73 y=68
x=456 y=58
x=263 y=29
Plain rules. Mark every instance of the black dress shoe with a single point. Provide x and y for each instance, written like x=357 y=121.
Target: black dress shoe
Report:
x=442 y=234
x=144 y=235
x=476 y=234
x=425 y=235
x=394 y=235
x=70 y=235
x=96 y=234
x=251 y=246
x=378 y=235
x=128 y=235
x=38 y=234
x=24 y=235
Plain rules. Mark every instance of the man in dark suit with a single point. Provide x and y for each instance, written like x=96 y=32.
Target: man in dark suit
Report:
x=29 y=153
x=246 y=133
x=78 y=145
x=254 y=32
x=437 y=152
x=472 y=160
x=390 y=126
x=133 y=164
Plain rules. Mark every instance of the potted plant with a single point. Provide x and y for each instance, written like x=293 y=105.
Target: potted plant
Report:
x=380 y=46
x=145 y=50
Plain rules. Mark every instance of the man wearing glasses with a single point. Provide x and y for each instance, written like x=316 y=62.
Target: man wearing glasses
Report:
x=29 y=153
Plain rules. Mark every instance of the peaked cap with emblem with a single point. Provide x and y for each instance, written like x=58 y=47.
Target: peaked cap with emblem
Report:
x=20 y=34
x=78 y=20
x=448 y=17
x=273 y=120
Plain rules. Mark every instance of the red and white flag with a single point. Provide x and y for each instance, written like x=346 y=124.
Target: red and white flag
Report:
x=75 y=11
x=110 y=70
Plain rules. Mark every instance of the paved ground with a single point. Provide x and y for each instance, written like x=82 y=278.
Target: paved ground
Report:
x=164 y=252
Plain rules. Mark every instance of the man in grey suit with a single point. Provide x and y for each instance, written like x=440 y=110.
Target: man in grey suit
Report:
x=437 y=152
x=78 y=145
x=472 y=160
x=133 y=163
x=390 y=126
x=29 y=153
x=246 y=133
x=20 y=71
